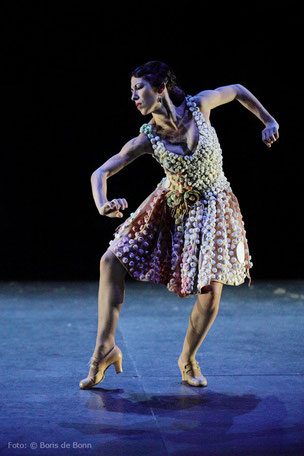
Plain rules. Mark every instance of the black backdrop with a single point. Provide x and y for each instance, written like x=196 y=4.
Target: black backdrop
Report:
x=66 y=109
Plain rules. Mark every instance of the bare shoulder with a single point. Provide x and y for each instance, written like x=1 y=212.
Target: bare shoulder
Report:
x=199 y=99
x=137 y=146
x=203 y=98
x=203 y=94
x=210 y=99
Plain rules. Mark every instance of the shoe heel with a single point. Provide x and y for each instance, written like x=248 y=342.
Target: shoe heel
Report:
x=182 y=370
x=118 y=366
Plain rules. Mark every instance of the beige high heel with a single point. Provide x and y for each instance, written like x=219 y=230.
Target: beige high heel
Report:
x=114 y=356
x=191 y=373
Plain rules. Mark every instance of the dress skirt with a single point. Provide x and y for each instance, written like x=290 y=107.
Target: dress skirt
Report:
x=208 y=243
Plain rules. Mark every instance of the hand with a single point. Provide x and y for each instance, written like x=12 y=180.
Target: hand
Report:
x=111 y=208
x=271 y=133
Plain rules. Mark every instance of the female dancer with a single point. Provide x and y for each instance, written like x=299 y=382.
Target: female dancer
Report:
x=189 y=233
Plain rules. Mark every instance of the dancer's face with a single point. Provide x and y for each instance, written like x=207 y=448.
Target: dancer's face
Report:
x=144 y=96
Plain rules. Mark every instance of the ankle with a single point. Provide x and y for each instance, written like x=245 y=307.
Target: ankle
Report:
x=186 y=357
x=102 y=350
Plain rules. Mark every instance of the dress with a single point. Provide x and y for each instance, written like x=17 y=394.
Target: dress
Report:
x=189 y=231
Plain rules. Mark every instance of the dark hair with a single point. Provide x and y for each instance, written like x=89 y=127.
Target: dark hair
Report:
x=157 y=73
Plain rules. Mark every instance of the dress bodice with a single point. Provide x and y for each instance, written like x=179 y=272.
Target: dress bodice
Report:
x=202 y=170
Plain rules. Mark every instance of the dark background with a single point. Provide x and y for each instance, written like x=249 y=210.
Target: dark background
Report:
x=66 y=108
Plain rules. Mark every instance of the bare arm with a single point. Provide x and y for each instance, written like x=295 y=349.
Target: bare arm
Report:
x=210 y=99
x=130 y=151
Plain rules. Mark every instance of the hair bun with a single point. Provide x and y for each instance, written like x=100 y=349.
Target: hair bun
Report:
x=171 y=78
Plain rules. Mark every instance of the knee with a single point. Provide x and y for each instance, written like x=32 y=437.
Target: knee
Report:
x=213 y=294
x=213 y=289
x=109 y=263
x=216 y=291
x=107 y=260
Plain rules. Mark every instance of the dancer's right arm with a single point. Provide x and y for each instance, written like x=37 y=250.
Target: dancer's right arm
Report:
x=130 y=151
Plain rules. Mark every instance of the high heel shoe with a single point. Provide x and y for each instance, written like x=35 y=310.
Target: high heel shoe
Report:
x=191 y=373
x=114 y=356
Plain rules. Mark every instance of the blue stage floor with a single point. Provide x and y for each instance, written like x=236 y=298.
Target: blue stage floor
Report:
x=252 y=358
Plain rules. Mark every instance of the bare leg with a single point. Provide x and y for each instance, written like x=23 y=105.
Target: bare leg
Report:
x=111 y=295
x=110 y=299
x=201 y=318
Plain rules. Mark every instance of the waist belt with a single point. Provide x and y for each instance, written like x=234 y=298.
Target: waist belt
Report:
x=181 y=202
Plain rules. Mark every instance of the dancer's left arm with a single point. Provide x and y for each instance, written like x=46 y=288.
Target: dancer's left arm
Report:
x=210 y=99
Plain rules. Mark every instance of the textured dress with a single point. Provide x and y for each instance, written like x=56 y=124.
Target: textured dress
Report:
x=189 y=231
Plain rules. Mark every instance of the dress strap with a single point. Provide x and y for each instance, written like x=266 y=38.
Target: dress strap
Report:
x=147 y=129
x=194 y=109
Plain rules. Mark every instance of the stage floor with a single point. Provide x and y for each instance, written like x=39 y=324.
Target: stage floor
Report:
x=252 y=358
